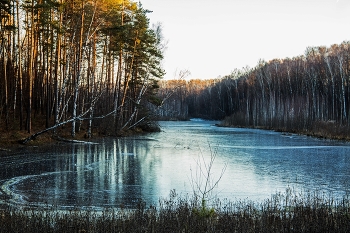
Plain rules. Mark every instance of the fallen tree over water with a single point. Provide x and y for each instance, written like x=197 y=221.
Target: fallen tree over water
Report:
x=80 y=118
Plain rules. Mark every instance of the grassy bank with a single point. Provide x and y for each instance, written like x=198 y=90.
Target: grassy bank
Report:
x=318 y=129
x=286 y=212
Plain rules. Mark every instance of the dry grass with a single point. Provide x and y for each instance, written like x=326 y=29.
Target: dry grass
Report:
x=319 y=129
x=286 y=212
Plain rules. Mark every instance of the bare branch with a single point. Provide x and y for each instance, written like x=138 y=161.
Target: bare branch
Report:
x=80 y=117
x=204 y=174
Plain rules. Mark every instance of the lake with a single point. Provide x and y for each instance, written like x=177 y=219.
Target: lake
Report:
x=123 y=171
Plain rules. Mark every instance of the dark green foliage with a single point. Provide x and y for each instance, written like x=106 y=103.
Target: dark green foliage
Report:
x=155 y=100
x=5 y=5
x=103 y=54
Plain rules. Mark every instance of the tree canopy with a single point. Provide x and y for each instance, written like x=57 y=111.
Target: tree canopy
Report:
x=77 y=61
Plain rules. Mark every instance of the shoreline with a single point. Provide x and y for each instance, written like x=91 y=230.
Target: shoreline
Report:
x=10 y=141
x=312 y=133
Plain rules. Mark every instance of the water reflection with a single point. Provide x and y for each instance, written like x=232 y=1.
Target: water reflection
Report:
x=120 y=172
x=107 y=174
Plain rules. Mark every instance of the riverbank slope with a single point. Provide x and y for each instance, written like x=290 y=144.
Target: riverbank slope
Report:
x=11 y=139
x=319 y=129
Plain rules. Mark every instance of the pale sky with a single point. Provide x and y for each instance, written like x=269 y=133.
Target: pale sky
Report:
x=211 y=38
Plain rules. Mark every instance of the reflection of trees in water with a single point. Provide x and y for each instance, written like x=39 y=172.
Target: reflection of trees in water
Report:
x=114 y=173
x=134 y=170
x=120 y=171
x=128 y=173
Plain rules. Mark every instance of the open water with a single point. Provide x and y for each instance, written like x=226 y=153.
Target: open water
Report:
x=123 y=171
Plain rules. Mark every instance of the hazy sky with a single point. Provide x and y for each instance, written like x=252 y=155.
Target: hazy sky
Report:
x=211 y=38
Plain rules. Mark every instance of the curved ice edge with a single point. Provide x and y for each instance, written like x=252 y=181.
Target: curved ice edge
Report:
x=15 y=198
x=6 y=189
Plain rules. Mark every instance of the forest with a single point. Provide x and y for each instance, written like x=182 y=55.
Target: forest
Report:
x=89 y=63
x=89 y=66
x=308 y=94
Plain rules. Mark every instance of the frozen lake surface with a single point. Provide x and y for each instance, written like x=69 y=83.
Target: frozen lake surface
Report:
x=120 y=172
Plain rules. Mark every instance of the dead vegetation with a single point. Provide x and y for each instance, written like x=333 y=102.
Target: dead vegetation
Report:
x=284 y=212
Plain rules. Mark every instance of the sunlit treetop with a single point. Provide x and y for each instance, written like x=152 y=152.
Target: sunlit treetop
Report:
x=131 y=5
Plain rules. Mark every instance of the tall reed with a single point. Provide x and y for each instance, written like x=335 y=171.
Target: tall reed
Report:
x=283 y=212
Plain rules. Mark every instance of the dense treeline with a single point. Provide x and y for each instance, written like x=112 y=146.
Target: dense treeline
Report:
x=184 y=99
x=77 y=61
x=308 y=93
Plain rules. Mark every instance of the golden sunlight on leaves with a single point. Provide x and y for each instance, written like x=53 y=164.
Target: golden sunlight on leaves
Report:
x=129 y=4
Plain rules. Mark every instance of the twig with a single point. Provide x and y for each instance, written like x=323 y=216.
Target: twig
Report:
x=204 y=174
